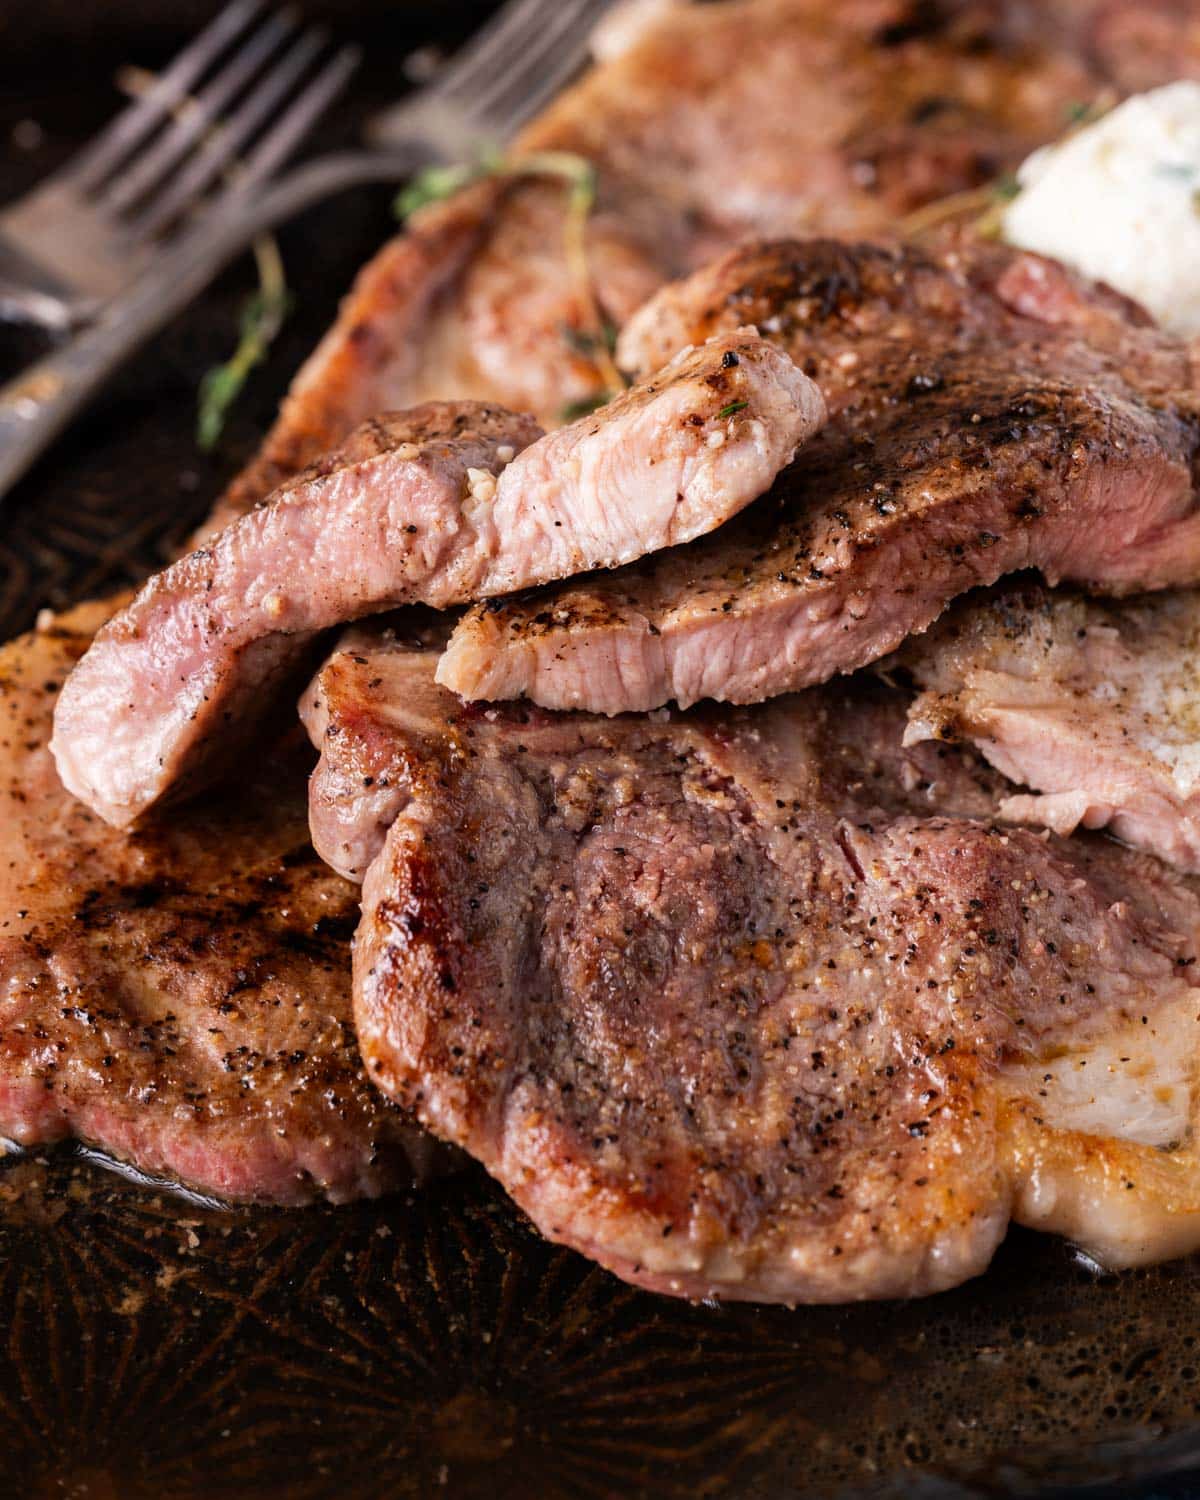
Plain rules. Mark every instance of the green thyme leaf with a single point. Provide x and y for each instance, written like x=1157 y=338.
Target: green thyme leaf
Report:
x=728 y=411
x=439 y=182
x=263 y=315
x=1005 y=188
x=1087 y=112
x=579 y=340
x=586 y=342
x=432 y=186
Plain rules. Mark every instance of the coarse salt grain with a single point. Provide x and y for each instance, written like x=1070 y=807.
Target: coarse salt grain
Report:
x=482 y=485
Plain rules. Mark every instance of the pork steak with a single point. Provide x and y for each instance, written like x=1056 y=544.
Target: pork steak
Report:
x=443 y=504
x=1094 y=705
x=756 y=1003
x=692 y=120
x=988 y=412
x=180 y=997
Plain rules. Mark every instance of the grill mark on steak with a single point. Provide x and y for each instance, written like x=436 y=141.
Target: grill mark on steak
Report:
x=988 y=412
x=756 y=1003
x=1094 y=706
x=180 y=997
x=443 y=504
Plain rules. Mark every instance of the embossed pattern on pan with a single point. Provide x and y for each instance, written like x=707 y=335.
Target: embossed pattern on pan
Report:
x=151 y=1346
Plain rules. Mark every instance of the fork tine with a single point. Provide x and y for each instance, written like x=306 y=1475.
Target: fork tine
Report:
x=492 y=48
x=133 y=124
x=292 y=126
x=222 y=149
x=497 y=48
x=546 y=63
x=504 y=121
x=200 y=115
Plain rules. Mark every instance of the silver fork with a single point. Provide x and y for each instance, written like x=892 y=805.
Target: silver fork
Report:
x=473 y=104
x=513 y=65
x=237 y=93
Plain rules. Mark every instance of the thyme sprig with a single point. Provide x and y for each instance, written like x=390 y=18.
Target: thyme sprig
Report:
x=262 y=317
x=983 y=208
x=436 y=183
x=585 y=406
x=439 y=182
x=595 y=338
x=263 y=312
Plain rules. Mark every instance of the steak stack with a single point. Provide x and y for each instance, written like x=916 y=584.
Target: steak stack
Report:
x=779 y=1000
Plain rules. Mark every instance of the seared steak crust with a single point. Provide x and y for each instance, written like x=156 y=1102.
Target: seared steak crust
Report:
x=167 y=693
x=695 y=129
x=757 y=1004
x=369 y=772
x=179 y=997
x=988 y=412
x=443 y=504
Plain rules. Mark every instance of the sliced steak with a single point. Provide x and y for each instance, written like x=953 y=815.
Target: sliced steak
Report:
x=687 y=447
x=1096 y=706
x=694 y=129
x=370 y=359
x=180 y=997
x=442 y=504
x=988 y=412
x=756 y=1003
x=210 y=643
x=355 y=710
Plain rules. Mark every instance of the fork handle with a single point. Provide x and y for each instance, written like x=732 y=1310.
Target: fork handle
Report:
x=39 y=403
x=29 y=294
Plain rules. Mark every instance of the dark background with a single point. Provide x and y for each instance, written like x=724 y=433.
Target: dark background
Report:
x=151 y=1348
x=105 y=506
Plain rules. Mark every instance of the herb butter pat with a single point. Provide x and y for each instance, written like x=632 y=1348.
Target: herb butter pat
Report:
x=1120 y=201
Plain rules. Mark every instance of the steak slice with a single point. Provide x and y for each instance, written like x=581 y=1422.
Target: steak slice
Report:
x=180 y=997
x=356 y=710
x=693 y=129
x=211 y=642
x=757 y=1003
x=988 y=412
x=443 y=504
x=1095 y=706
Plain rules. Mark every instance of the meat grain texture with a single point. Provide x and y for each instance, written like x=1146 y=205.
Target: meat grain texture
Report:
x=1093 y=705
x=443 y=504
x=989 y=411
x=756 y=1003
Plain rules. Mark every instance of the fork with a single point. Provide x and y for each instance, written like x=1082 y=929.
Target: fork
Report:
x=494 y=84
x=92 y=228
x=513 y=66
